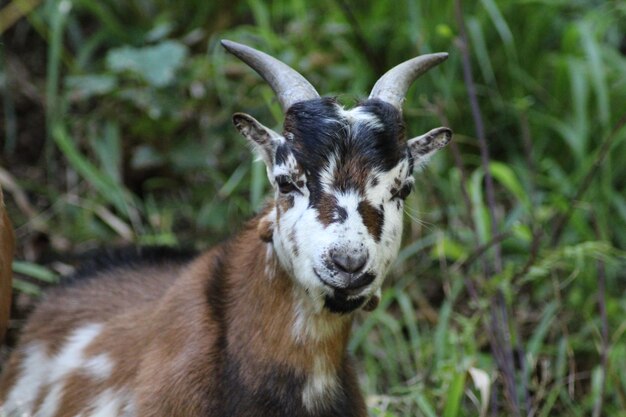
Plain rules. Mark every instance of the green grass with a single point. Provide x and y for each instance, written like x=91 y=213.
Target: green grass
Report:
x=147 y=154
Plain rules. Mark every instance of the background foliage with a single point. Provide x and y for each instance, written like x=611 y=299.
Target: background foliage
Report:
x=116 y=129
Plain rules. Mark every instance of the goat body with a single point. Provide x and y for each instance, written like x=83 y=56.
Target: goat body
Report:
x=225 y=334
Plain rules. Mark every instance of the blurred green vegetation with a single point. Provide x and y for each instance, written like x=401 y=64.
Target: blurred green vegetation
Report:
x=116 y=129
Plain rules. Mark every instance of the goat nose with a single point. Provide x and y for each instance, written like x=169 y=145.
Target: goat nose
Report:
x=348 y=262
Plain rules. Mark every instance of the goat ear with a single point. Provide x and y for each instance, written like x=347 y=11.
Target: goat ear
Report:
x=423 y=147
x=261 y=137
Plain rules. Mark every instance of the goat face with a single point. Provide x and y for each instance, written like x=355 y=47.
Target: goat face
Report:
x=340 y=179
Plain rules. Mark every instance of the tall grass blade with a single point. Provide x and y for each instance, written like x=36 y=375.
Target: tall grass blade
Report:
x=454 y=395
x=59 y=10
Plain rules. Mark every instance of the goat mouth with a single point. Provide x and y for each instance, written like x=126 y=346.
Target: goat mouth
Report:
x=339 y=300
x=343 y=292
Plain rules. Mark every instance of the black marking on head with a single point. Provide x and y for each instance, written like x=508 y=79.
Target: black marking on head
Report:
x=342 y=214
x=403 y=192
x=321 y=131
x=282 y=154
x=411 y=160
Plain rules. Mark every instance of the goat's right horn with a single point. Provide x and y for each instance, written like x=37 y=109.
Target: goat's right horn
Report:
x=290 y=87
x=394 y=84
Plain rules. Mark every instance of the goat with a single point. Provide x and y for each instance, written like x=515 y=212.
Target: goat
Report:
x=256 y=326
x=6 y=278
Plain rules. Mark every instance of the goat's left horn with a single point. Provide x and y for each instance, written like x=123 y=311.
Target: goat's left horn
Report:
x=393 y=86
x=290 y=87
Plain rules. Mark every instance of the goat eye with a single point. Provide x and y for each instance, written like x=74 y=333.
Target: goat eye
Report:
x=403 y=192
x=285 y=186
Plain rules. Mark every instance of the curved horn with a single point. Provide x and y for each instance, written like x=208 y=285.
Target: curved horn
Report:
x=393 y=86
x=290 y=87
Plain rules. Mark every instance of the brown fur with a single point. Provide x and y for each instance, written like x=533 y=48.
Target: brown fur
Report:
x=41 y=397
x=6 y=275
x=372 y=218
x=266 y=230
x=327 y=209
x=352 y=174
x=76 y=393
x=285 y=203
x=265 y=226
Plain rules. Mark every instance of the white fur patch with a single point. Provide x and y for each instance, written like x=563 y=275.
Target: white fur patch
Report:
x=300 y=226
x=112 y=403
x=321 y=384
x=99 y=367
x=50 y=404
x=351 y=235
x=108 y=404
x=33 y=372
x=310 y=324
x=71 y=358
x=381 y=192
x=358 y=117
x=287 y=167
x=38 y=370
x=327 y=174
x=270 y=262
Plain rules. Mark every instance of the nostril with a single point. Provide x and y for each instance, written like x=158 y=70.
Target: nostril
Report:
x=348 y=262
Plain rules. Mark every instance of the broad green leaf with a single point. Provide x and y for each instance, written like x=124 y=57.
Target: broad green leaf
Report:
x=507 y=177
x=81 y=87
x=157 y=64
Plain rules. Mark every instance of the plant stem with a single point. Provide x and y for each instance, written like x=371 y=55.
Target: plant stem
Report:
x=501 y=343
